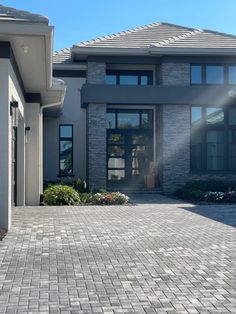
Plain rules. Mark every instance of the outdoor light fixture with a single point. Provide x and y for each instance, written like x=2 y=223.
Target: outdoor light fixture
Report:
x=27 y=134
x=25 y=49
x=14 y=113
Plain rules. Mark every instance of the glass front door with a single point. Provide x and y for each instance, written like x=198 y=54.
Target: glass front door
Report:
x=129 y=145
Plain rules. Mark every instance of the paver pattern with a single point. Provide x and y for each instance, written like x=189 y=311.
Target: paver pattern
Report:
x=161 y=256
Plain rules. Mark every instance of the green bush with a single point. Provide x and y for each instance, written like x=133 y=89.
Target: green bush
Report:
x=61 y=195
x=196 y=190
x=86 y=198
x=80 y=186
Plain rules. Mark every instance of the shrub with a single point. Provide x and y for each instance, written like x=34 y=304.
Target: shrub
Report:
x=114 y=198
x=86 y=198
x=221 y=197
x=61 y=195
x=80 y=185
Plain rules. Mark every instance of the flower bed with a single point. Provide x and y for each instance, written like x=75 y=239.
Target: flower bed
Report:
x=62 y=194
x=221 y=197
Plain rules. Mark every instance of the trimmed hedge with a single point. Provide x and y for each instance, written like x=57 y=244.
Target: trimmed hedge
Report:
x=198 y=190
x=61 y=195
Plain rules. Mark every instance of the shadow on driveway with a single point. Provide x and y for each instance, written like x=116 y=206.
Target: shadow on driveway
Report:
x=225 y=214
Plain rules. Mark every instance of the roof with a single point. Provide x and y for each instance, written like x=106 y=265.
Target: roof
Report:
x=12 y=14
x=159 y=35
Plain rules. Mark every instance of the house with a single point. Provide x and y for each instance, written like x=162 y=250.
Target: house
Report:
x=27 y=90
x=152 y=107
x=154 y=102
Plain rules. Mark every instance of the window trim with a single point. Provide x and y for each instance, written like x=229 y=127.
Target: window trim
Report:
x=204 y=78
x=61 y=174
x=225 y=127
x=137 y=73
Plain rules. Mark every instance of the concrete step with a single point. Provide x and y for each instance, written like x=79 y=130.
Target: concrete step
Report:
x=134 y=190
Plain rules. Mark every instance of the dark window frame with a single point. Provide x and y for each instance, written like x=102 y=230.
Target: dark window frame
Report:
x=204 y=78
x=138 y=73
x=203 y=129
x=62 y=173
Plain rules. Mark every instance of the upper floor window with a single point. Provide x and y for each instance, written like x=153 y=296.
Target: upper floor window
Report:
x=66 y=149
x=213 y=74
x=129 y=77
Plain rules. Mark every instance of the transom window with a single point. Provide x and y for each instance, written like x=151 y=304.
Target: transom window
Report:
x=213 y=139
x=123 y=77
x=129 y=119
x=213 y=74
x=65 y=149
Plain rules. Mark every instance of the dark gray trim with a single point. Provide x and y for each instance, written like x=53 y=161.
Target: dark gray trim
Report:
x=154 y=95
x=33 y=97
x=69 y=73
x=197 y=59
x=125 y=60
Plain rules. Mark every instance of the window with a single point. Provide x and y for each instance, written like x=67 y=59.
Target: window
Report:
x=196 y=74
x=213 y=139
x=129 y=77
x=65 y=149
x=129 y=119
x=212 y=74
x=215 y=74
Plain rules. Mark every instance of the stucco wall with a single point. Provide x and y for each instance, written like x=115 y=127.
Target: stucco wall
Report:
x=72 y=113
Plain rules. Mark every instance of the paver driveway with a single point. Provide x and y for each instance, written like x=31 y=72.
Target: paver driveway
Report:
x=148 y=258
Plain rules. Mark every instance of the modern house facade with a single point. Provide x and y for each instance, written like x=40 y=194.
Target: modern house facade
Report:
x=151 y=107
x=27 y=89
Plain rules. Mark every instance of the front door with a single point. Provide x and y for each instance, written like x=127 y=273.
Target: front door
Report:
x=129 y=146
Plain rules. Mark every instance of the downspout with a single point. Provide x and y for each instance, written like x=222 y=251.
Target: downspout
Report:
x=41 y=144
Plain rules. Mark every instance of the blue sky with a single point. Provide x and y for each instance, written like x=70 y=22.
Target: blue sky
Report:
x=78 y=20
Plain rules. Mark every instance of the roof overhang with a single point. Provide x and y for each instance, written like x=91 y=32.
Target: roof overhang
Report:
x=35 y=62
x=78 y=53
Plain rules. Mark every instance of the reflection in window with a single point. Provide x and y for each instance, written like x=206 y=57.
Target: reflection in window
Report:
x=128 y=120
x=196 y=115
x=66 y=149
x=111 y=120
x=128 y=80
x=116 y=174
x=215 y=150
x=196 y=151
x=115 y=139
x=232 y=116
x=116 y=163
x=129 y=77
x=116 y=150
x=232 y=74
x=215 y=115
x=196 y=74
x=215 y=74
x=232 y=149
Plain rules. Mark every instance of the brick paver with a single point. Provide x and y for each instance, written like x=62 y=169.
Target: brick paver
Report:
x=161 y=258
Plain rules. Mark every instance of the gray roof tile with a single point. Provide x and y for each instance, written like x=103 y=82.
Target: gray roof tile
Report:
x=161 y=35
x=12 y=14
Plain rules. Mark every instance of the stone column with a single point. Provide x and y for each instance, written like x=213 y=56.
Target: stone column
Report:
x=175 y=146
x=96 y=131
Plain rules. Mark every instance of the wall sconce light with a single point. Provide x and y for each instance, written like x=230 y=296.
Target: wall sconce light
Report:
x=25 y=49
x=14 y=113
x=27 y=134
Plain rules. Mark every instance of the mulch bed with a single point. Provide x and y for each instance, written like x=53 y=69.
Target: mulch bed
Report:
x=3 y=232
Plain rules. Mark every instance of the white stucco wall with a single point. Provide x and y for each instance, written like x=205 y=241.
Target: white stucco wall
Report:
x=5 y=147
x=72 y=113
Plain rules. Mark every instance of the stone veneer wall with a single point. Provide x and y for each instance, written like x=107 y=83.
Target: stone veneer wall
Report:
x=174 y=136
x=96 y=131
x=177 y=74
x=175 y=146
